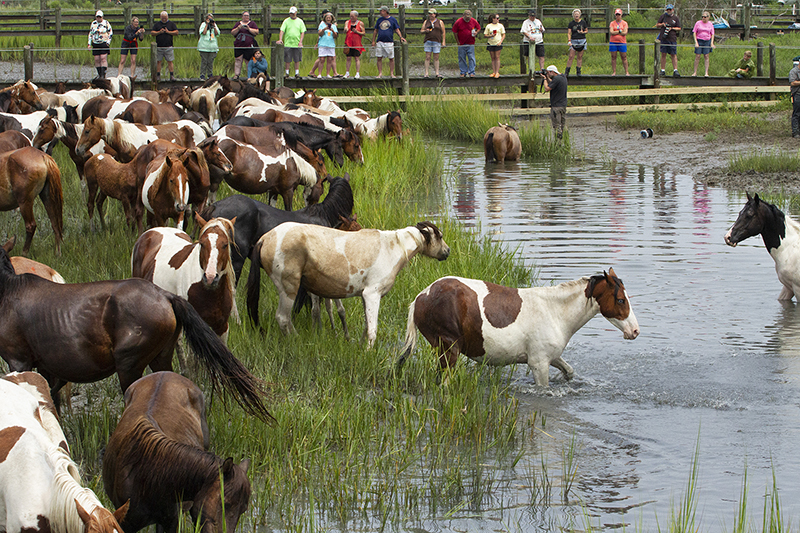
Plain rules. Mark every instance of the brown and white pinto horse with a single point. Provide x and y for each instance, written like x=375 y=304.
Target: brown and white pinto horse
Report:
x=501 y=142
x=25 y=174
x=337 y=264
x=504 y=326
x=22 y=98
x=52 y=130
x=23 y=265
x=165 y=191
x=158 y=457
x=199 y=271
x=127 y=138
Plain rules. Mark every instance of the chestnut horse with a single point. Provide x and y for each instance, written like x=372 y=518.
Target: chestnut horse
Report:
x=501 y=142
x=504 y=326
x=158 y=457
x=24 y=174
x=337 y=264
x=165 y=191
x=13 y=140
x=40 y=487
x=127 y=138
x=52 y=130
x=148 y=113
x=23 y=265
x=85 y=332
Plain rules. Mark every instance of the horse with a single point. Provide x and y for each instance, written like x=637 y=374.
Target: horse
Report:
x=150 y=114
x=165 y=191
x=23 y=265
x=200 y=271
x=158 y=457
x=254 y=218
x=389 y=124
x=501 y=142
x=781 y=236
x=85 y=332
x=204 y=99
x=52 y=130
x=75 y=98
x=22 y=98
x=27 y=124
x=24 y=174
x=104 y=106
x=119 y=86
x=258 y=170
x=41 y=487
x=127 y=138
x=36 y=386
x=504 y=326
x=13 y=140
x=337 y=264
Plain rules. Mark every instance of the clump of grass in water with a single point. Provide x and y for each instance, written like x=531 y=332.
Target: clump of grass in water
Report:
x=765 y=161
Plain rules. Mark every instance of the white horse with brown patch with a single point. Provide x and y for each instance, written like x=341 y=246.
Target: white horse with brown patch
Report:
x=505 y=326
x=337 y=264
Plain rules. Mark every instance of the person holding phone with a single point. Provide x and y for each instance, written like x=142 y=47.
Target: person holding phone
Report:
x=496 y=33
x=618 y=42
x=354 y=30
x=328 y=32
x=133 y=33
x=244 y=42
x=208 y=46
x=164 y=30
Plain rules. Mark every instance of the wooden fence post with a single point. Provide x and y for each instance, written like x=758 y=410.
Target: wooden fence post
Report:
x=150 y=10
x=42 y=16
x=773 y=68
x=656 y=69
x=153 y=63
x=27 y=59
x=402 y=20
x=58 y=27
x=404 y=59
x=398 y=65
x=267 y=23
x=127 y=15
x=371 y=15
x=198 y=18
x=747 y=9
x=609 y=18
x=759 y=59
x=642 y=58
x=277 y=61
x=96 y=5
x=316 y=14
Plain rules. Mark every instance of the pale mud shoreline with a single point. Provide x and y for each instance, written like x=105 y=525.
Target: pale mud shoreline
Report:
x=598 y=137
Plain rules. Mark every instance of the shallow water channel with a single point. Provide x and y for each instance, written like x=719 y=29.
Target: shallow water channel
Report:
x=716 y=369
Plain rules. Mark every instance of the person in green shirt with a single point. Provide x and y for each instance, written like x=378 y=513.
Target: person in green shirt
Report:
x=291 y=37
x=745 y=68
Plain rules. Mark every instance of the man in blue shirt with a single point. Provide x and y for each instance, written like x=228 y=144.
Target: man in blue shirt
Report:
x=385 y=28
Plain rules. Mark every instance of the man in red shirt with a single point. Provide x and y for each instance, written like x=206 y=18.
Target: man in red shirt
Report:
x=465 y=29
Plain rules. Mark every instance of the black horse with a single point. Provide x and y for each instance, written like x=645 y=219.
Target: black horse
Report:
x=254 y=218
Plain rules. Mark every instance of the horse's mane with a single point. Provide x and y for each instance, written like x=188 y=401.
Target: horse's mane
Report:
x=307 y=172
x=121 y=131
x=251 y=91
x=422 y=226
x=67 y=488
x=102 y=83
x=338 y=201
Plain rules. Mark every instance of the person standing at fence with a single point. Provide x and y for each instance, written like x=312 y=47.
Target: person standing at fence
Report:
x=745 y=68
x=130 y=46
x=434 y=31
x=100 y=33
x=383 y=39
x=556 y=84
x=533 y=32
x=670 y=25
x=618 y=42
x=465 y=29
x=354 y=30
x=164 y=30
x=794 y=83
x=577 y=30
x=208 y=46
x=291 y=35
x=244 y=42
x=496 y=33
x=328 y=32
x=703 y=32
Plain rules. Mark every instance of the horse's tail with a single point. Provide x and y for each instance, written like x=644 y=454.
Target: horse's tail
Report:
x=202 y=107
x=488 y=147
x=411 y=336
x=254 y=283
x=226 y=371
x=127 y=116
x=52 y=196
x=301 y=300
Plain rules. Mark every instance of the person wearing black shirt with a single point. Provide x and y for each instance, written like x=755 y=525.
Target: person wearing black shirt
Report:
x=577 y=30
x=556 y=84
x=163 y=30
x=670 y=26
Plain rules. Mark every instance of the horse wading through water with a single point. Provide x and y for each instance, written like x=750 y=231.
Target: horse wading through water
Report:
x=500 y=143
x=85 y=332
x=504 y=326
x=157 y=457
x=781 y=235
x=337 y=264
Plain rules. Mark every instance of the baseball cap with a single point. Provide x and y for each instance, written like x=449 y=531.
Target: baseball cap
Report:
x=292 y=9
x=431 y=10
x=618 y=12
x=384 y=8
x=98 y=14
x=669 y=6
x=796 y=59
x=531 y=12
x=552 y=68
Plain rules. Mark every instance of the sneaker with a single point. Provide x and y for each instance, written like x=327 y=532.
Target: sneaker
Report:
x=158 y=75
x=202 y=77
x=346 y=74
x=297 y=76
x=675 y=74
x=328 y=76
x=358 y=74
x=663 y=73
x=319 y=75
x=171 y=77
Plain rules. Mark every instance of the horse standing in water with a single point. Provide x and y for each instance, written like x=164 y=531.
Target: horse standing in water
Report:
x=781 y=235
x=158 y=456
x=504 y=326
x=500 y=143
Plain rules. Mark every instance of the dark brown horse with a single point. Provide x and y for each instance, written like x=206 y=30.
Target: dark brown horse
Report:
x=150 y=114
x=13 y=140
x=85 y=332
x=25 y=174
x=157 y=457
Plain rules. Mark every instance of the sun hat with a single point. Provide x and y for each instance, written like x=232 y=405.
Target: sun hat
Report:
x=292 y=10
x=98 y=14
x=669 y=6
x=431 y=10
x=384 y=8
x=552 y=68
x=618 y=12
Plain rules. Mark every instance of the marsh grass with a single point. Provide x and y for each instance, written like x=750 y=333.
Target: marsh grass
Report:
x=718 y=120
x=765 y=161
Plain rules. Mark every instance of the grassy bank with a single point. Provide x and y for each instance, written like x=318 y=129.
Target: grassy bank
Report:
x=722 y=119
x=765 y=162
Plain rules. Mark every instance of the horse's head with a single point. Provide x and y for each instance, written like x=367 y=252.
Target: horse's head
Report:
x=394 y=124
x=215 y=241
x=47 y=131
x=27 y=93
x=755 y=217
x=208 y=506
x=177 y=181
x=349 y=223
x=311 y=98
x=93 y=129
x=101 y=520
x=609 y=292
x=351 y=145
x=214 y=155
x=6 y=267
x=433 y=245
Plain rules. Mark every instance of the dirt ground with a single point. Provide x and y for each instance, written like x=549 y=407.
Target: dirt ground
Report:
x=599 y=138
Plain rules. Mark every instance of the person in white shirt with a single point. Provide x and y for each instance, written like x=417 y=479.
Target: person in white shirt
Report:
x=533 y=32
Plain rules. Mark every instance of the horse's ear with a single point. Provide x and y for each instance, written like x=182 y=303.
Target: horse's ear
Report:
x=245 y=464
x=233 y=220
x=119 y=514
x=83 y=513
x=756 y=198
x=611 y=273
x=9 y=245
x=200 y=220
x=227 y=468
x=346 y=177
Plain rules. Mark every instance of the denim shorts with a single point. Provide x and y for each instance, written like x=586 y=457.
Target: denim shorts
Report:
x=432 y=47
x=704 y=48
x=671 y=49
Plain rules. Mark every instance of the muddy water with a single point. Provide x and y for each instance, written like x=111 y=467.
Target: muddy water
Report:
x=715 y=369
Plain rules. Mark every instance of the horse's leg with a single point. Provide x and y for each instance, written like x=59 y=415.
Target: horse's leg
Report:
x=372 y=304
x=26 y=210
x=328 y=308
x=342 y=317
x=539 y=365
x=786 y=293
x=565 y=368
x=101 y=200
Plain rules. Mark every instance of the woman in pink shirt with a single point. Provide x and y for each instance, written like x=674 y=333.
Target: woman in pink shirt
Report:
x=703 y=40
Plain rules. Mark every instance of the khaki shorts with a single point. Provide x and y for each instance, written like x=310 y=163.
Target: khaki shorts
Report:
x=384 y=50
x=167 y=53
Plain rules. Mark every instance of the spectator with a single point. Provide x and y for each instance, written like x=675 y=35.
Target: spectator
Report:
x=130 y=45
x=703 y=40
x=794 y=83
x=496 y=33
x=618 y=42
x=100 y=33
x=745 y=68
x=577 y=30
x=319 y=61
x=294 y=30
x=244 y=43
x=208 y=46
x=533 y=32
x=257 y=65
x=556 y=84
x=354 y=30
x=163 y=30
x=434 y=31
x=383 y=39
x=670 y=25
x=328 y=32
x=465 y=29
